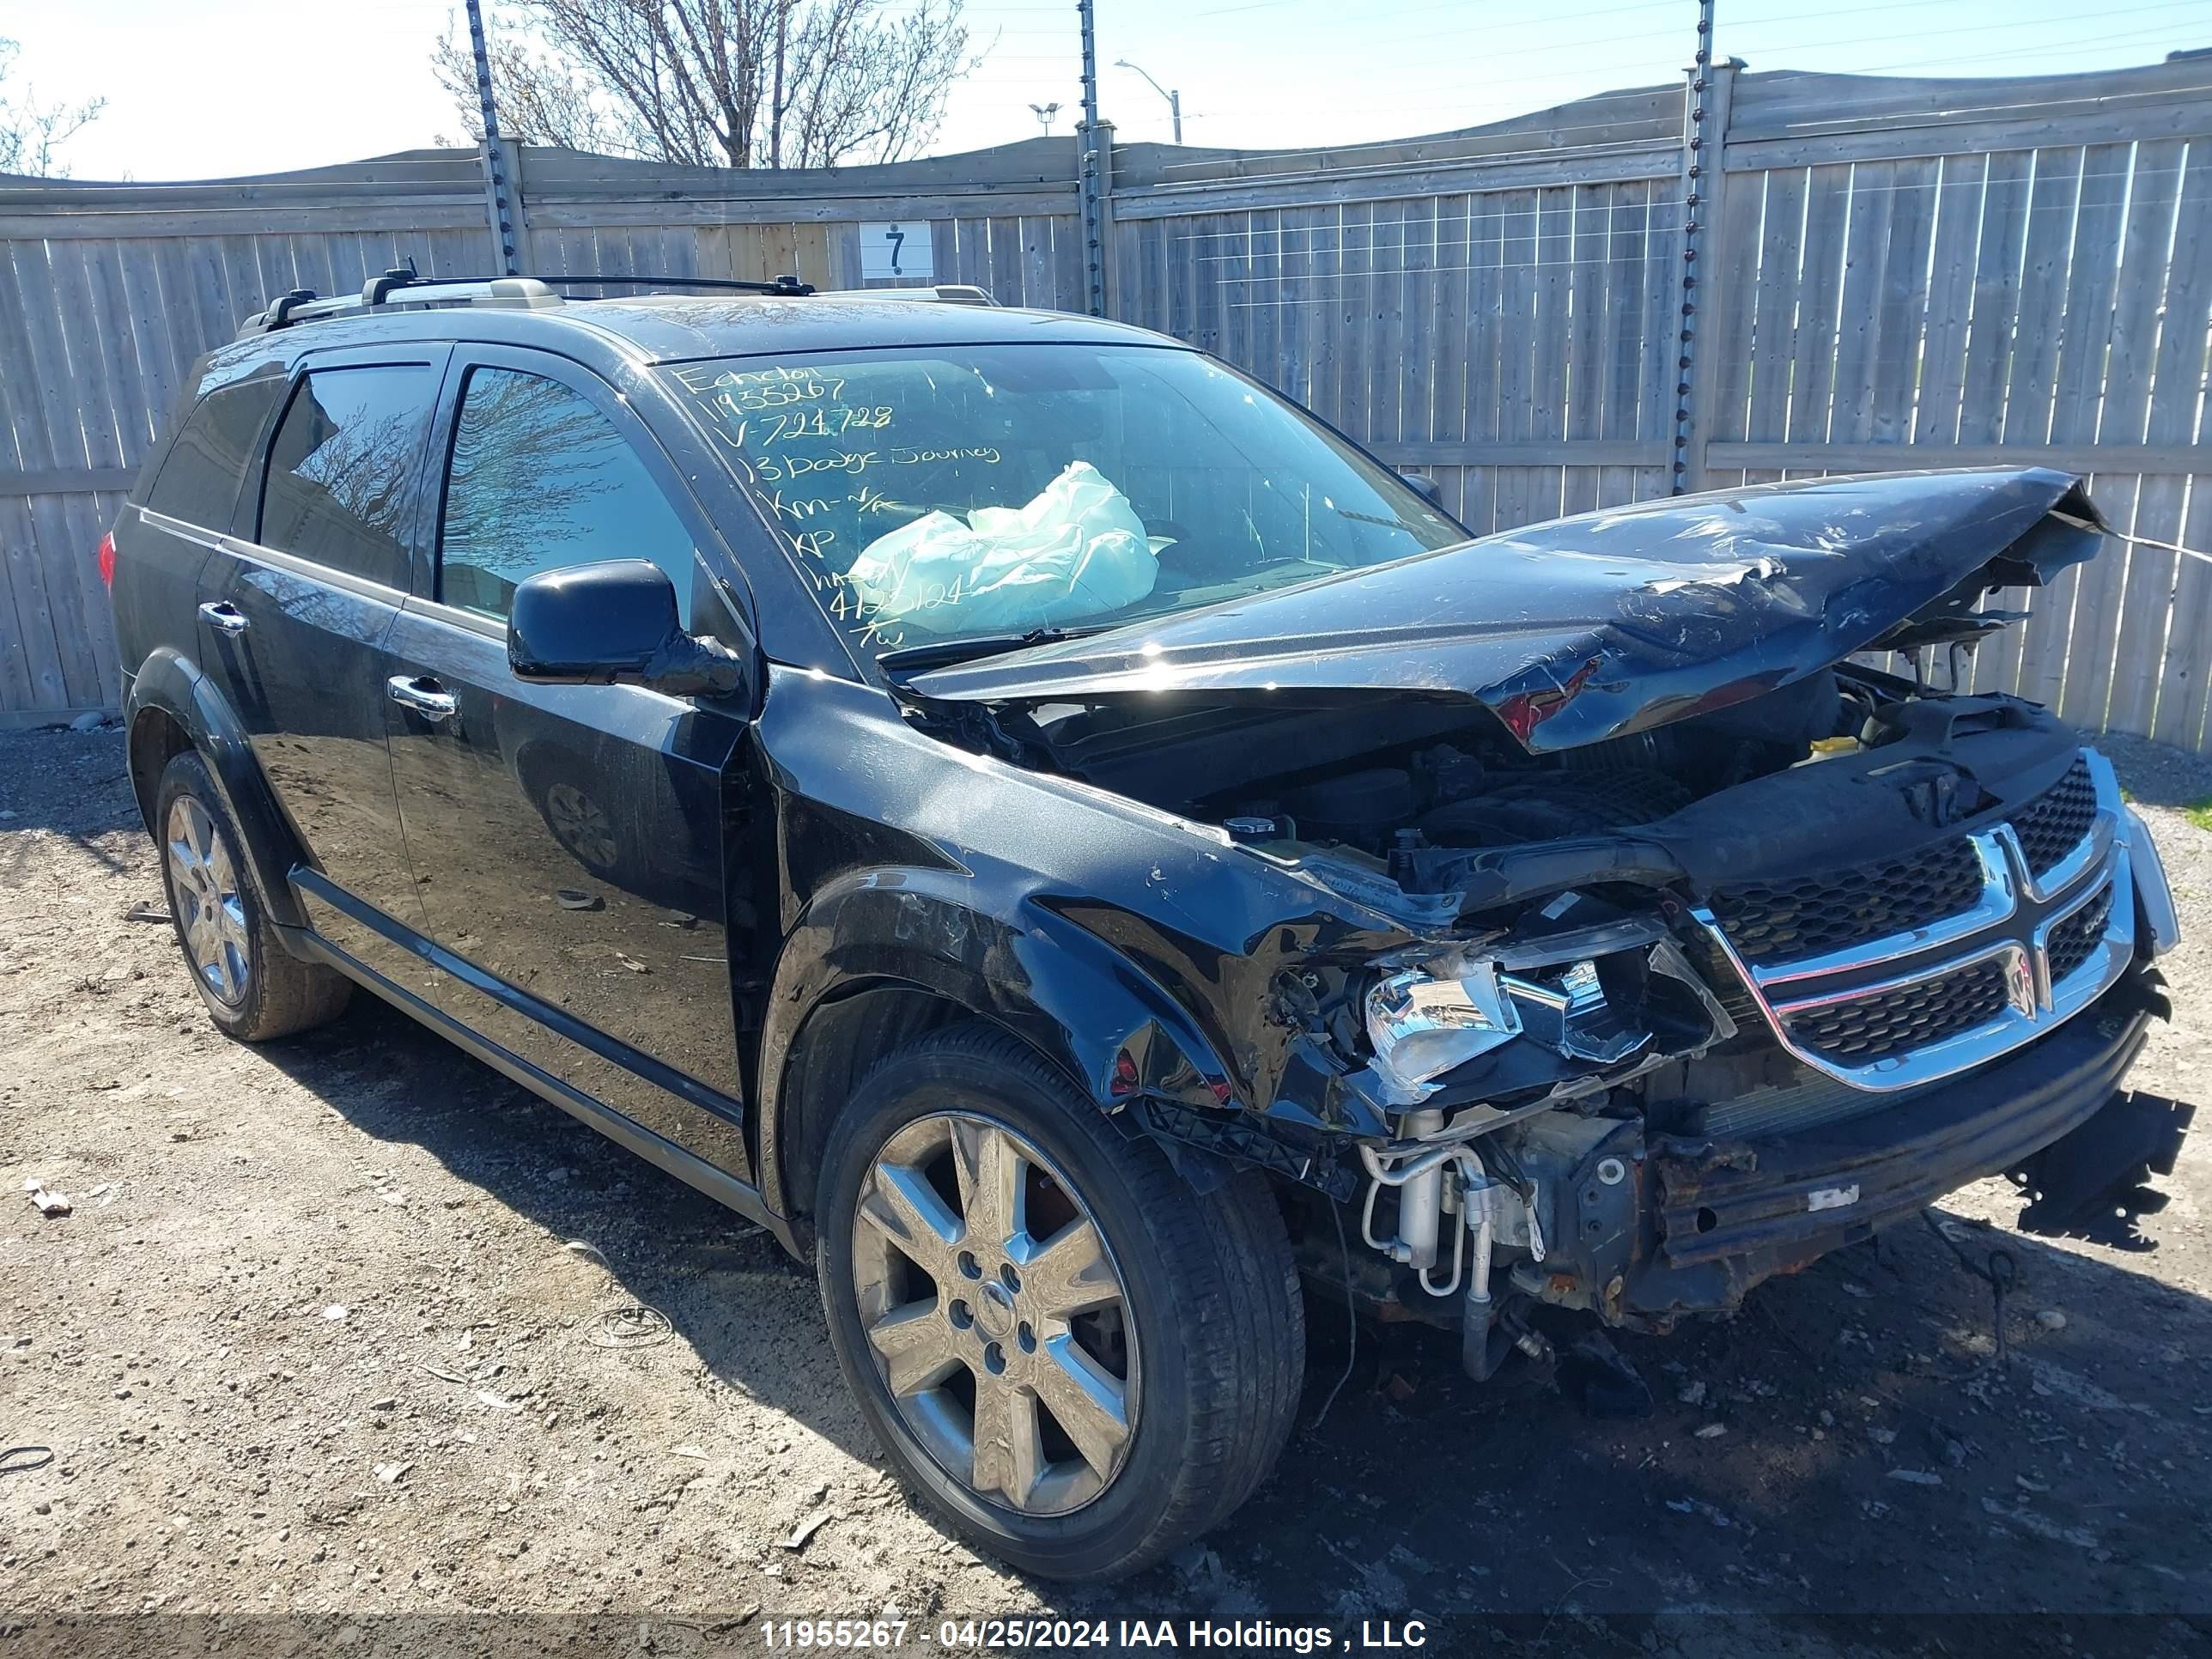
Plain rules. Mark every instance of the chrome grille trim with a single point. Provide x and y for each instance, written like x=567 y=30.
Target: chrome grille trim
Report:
x=1846 y=909
x=2000 y=898
x=2055 y=823
x=2012 y=925
x=2008 y=955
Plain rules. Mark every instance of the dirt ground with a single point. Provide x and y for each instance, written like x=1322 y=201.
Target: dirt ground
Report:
x=351 y=1326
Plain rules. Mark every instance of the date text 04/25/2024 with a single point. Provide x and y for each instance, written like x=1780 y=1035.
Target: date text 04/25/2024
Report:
x=1062 y=1634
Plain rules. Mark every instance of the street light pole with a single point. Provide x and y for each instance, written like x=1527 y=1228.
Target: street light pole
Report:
x=1175 y=99
x=1044 y=112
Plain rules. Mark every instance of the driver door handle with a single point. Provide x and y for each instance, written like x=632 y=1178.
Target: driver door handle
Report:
x=223 y=617
x=422 y=693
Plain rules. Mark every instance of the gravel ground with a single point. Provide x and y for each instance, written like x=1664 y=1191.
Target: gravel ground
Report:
x=351 y=1326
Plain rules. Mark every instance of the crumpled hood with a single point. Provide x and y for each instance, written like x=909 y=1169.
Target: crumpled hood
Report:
x=1607 y=623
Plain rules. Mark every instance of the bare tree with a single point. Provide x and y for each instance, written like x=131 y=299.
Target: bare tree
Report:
x=735 y=83
x=31 y=133
x=541 y=101
x=881 y=96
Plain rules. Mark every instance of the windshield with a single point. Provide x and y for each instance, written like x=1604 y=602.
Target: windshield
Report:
x=981 y=493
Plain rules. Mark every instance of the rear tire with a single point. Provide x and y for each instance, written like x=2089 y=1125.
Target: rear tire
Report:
x=254 y=988
x=1190 y=1335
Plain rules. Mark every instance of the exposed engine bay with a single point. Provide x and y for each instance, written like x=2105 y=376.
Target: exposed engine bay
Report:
x=1446 y=776
x=1721 y=961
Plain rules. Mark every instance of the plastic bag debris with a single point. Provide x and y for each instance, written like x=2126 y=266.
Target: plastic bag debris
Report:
x=1077 y=549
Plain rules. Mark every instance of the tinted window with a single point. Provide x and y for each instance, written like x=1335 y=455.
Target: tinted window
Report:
x=342 y=469
x=199 y=482
x=539 y=479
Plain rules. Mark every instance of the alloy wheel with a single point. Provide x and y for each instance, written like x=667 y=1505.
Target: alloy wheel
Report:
x=210 y=910
x=996 y=1315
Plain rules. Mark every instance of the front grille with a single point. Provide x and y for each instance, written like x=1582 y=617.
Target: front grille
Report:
x=2074 y=939
x=1779 y=921
x=1913 y=1016
x=1981 y=897
x=2054 y=825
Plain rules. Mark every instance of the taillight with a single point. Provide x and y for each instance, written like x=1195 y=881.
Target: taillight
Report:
x=107 y=558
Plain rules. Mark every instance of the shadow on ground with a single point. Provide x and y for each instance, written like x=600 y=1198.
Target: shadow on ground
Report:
x=1851 y=1445
x=66 y=782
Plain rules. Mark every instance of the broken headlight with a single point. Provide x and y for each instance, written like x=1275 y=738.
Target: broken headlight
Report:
x=1593 y=996
x=1424 y=1024
x=1567 y=1008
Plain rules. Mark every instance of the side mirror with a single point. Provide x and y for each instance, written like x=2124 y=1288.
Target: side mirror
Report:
x=1427 y=488
x=615 y=621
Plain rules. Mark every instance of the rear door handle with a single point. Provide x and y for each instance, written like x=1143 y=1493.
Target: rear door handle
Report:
x=223 y=617
x=422 y=693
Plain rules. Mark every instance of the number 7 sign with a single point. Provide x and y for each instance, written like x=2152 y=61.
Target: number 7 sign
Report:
x=902 y=252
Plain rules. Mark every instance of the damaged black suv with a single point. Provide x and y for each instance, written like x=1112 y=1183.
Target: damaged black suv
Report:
x=1073 y=844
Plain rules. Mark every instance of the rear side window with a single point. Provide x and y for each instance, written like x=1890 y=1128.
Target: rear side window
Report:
x=539 y=480
x=199 y=481
x=342 y=469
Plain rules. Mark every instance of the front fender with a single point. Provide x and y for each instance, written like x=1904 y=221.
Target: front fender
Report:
x=170 y=683
x=1115 y=1032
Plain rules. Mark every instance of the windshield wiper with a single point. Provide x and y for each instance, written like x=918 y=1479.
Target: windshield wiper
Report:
x=937 y=653
x=1370 y=518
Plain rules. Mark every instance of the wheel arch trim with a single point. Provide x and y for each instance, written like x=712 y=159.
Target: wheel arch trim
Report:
x=1114 y=1033
x=170 y=685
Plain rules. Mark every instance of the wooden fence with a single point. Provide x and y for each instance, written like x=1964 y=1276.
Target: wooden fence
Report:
x=1880 y=273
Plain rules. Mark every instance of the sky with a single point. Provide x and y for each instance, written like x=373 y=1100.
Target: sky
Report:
x=211 y=88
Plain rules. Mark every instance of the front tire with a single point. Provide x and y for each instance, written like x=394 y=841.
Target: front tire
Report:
x=561 y=785
x=253 y=987
x=1073 y=1357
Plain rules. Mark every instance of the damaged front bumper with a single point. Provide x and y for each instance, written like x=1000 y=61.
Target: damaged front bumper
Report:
x=1885 y=1069
x=1718 y=1216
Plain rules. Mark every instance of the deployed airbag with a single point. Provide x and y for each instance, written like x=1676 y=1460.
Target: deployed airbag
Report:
x=1077 y=549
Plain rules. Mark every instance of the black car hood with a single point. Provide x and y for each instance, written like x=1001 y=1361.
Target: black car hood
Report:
x=1592 y=626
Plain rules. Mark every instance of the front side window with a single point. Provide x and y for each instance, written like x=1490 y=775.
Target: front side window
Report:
x=342 y=469
x=200 y=479
x=941 y=495
x=539 y=479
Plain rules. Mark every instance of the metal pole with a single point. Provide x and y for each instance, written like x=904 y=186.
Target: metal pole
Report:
x=502 y=200
x=1174 y=97
x=775 y=108
x=1087 y=142
x=1701 y=183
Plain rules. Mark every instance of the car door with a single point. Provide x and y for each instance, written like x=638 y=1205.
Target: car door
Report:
x=567 y=840
x=294 y=615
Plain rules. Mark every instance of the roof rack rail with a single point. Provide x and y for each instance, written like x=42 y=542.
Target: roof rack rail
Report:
x=400 y=286
x=789 y=287
x=403 y=285
x=949 y=293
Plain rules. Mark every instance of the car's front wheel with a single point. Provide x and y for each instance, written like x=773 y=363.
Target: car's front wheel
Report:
x=1080 y=1361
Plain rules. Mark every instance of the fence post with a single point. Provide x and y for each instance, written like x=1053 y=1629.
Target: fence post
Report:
x=502 y=170
x=1089 y=166
x=496 y=157
x=1109 y=285
x=518 y=207
x=1706 y=101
